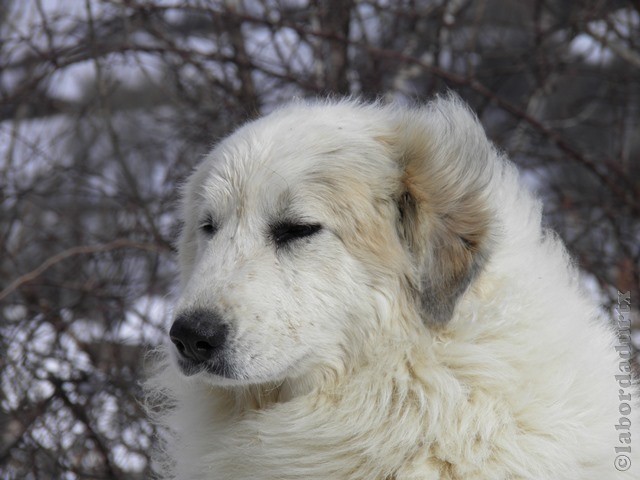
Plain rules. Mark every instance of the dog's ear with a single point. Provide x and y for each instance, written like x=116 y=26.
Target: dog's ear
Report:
x=444 y=216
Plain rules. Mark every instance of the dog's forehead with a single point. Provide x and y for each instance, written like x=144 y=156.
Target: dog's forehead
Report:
x=262 y=170
x=287 y=155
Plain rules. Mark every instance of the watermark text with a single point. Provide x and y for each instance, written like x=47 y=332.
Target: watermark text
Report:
x=624 y=348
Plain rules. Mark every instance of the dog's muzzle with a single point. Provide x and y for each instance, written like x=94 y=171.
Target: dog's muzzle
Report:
x=199 y=337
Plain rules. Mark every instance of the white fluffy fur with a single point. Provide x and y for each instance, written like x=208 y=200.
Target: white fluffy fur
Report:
x=431 y=330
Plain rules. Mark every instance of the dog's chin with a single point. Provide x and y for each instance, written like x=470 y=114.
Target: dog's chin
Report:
x=241 y=378
x=221 y=373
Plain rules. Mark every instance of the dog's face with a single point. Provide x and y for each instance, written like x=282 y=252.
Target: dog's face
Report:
x=302 y=230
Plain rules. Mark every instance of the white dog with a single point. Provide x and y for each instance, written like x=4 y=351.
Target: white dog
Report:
x=367 y=293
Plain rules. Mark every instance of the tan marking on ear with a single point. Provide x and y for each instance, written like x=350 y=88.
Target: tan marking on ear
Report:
x=445 y=216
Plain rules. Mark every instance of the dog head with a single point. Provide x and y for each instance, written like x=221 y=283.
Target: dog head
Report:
x=306 y=230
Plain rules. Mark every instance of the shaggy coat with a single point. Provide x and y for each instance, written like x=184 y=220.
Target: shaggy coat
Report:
x=392 y=309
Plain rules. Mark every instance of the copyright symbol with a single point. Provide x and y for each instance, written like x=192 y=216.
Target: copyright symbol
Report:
x=622 y=463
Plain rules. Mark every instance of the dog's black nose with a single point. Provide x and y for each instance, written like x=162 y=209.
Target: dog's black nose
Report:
x=198 y=335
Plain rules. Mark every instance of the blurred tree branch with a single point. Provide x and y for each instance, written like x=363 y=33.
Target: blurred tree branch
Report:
x=71 y=252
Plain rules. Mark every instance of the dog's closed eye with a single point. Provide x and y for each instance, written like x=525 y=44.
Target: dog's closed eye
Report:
x=208 y=227
x=287 y=232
